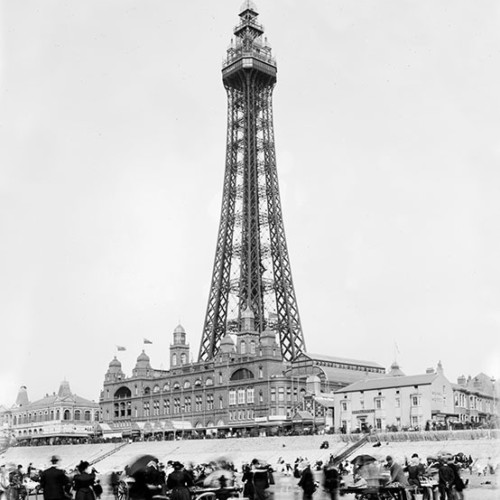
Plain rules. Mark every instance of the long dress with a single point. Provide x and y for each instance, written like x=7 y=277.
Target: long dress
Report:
x=179 y=482
x=82 y=484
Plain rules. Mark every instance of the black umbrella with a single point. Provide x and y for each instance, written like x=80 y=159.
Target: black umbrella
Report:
x=139 y=463
x=361 y=460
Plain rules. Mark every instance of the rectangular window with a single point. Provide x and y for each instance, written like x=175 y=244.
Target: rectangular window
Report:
x=397 y=403
x=378 y=405
x=241 y=396
x=343 y=406
x=378 y=423
x=210 y=401
x=273 y=394
x=232 y=397
x=250 y=395
x=281 y=394
x=415 y=400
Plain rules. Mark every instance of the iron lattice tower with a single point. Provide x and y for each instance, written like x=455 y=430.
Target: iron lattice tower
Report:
x=252 y=266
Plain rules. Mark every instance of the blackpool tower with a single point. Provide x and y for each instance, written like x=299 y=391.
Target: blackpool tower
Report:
x=252 y=273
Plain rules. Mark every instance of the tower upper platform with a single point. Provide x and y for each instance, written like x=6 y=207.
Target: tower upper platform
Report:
x=249 y=50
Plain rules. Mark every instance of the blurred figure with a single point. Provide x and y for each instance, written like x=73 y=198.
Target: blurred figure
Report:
x=114 y=482
x=331 y=480
x=97 y=489
x=307 y=481
x=54 y=482
x=260 y=480
x=398 y=477
x=16 y=484
x=179 y=482
x=247 y=479
x=83 y=482
x=4 y=483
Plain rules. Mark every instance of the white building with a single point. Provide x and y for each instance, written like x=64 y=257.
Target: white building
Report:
x=396 y=401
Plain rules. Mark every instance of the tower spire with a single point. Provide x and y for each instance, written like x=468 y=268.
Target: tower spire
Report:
x=252 y=267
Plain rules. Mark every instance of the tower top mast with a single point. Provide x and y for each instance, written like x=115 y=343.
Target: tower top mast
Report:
x=249 y=50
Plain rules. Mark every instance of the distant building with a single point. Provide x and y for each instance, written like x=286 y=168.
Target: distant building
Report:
x=475 y=400
x=246 y=389
x=395 y=402
x=53 y=419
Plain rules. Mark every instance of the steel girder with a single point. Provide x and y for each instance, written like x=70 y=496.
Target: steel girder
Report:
x=251 y=266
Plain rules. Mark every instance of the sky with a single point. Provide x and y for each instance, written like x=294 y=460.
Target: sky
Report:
x=112 y=147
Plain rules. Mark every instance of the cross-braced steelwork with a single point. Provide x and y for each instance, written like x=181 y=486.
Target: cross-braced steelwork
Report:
x=252 y=267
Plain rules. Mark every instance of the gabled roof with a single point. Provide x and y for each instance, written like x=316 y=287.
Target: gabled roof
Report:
x=388 y=382
x=335 y=359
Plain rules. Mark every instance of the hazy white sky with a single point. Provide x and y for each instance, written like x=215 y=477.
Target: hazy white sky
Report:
x=112 y=144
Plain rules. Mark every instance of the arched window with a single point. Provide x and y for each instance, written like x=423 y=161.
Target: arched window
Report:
x=166 y=387
x=147 y=391
x=183 y=359
x=87 y=416
x=156 y=389
x=96 y=416
x=67 y=415
x=209 y=381
x=123 y=393
x=241 y=374
x=77 y=415
x=243 y=347
x=252 y=347
x=187 y=384
x=197 y=382
x=174 y=360
x=176 y=386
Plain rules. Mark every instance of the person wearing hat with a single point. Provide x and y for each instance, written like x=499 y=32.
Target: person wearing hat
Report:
x=54 y=482
x=83 y=482
x=178 y=482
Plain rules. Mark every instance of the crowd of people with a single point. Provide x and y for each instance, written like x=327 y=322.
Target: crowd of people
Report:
x=149 y=479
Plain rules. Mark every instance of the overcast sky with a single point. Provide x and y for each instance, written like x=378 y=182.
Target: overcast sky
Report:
x=112 y=146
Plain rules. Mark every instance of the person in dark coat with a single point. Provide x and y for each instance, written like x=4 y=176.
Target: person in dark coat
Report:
x=83 y=482
x=54 y=482
x=179 y=481
x=307 y=482
x=247 y=479
x=260 y=480
x=447 y=478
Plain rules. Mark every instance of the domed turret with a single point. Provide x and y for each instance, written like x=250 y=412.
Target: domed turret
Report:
x=64 y=389
x=396 y=370
x=22 y=396
x=115 y=364
x=227 y=345
x=142 y=359
x=179 y=335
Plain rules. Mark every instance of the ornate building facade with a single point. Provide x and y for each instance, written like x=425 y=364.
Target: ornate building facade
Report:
x=56 y=418
x=246 y=389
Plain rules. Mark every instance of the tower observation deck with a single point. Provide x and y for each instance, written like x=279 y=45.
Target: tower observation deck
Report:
x=252 y=267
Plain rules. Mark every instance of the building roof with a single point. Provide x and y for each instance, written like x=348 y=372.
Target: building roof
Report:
x=388 y=382
x=348 y=361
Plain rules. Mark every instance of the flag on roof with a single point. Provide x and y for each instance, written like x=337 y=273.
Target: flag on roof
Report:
x=120 y=348
x=146 y=341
